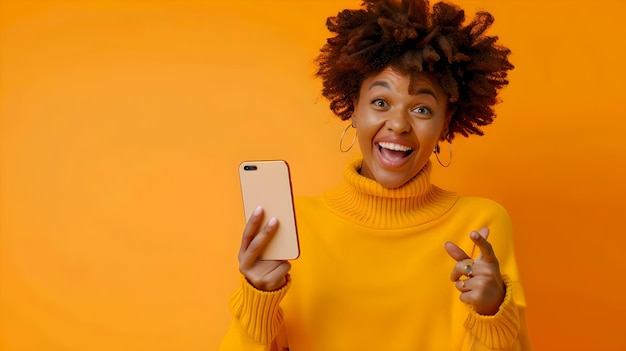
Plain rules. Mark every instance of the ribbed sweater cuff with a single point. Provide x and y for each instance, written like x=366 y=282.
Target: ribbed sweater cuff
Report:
x=500 y=330
x=258 y=311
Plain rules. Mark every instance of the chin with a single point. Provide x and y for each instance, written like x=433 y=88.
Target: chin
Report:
x=391 y=183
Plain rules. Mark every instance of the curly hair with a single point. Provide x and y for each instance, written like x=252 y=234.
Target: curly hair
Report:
x=470 y=66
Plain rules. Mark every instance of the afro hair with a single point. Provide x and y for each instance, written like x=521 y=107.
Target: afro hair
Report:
x=412 y=37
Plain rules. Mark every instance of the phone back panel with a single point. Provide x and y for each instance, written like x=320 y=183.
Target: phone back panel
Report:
x=268 y=184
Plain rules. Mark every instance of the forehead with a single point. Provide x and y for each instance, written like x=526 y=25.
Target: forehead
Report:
x=413 y=82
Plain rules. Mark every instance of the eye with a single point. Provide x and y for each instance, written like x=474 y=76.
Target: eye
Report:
x=380 y=104
x=423 y=111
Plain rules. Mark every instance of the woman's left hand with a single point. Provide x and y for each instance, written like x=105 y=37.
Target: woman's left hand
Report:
x=479 y=281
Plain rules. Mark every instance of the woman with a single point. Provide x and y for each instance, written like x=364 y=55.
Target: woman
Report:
x=374 y=273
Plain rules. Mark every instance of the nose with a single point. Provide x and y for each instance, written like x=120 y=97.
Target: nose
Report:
x=398 y=122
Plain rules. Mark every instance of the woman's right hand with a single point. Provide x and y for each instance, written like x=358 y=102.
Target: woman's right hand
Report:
x=263 y=275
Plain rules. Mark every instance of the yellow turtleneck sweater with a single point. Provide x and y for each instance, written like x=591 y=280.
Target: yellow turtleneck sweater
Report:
x=374 y=275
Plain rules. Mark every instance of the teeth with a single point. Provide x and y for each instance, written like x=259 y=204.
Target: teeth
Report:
x=394 y=147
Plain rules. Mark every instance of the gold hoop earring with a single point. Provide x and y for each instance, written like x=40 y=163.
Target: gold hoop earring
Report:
x=343 y=135
x=438 y=150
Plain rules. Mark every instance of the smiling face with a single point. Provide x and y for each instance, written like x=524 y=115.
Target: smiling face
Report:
x=399 y=121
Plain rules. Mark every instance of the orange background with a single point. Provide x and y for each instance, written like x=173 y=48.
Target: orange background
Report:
x=123 y=122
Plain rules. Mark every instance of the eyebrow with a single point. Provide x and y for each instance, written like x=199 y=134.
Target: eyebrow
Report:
x=418 y=92
x=380 y=84
x=426 y=91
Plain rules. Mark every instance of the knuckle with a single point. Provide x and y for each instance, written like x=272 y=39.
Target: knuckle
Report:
x=479 y=285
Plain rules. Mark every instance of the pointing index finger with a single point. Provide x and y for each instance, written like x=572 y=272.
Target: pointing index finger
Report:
x=480 y=240
x=483 y=232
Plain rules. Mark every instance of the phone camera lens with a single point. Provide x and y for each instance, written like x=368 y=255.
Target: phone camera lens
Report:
x=249 y=168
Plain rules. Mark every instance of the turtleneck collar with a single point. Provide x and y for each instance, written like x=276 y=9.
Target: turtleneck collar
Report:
x=366 y=202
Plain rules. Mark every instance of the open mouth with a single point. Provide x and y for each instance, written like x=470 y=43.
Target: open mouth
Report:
x=393 y=152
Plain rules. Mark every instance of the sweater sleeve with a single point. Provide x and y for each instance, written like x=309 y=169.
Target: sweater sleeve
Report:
x=506 y=330
x=257 y=319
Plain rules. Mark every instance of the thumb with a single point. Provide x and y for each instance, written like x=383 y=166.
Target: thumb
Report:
x=455 y=251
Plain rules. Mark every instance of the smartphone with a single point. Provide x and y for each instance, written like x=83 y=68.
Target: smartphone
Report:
x=268 y=184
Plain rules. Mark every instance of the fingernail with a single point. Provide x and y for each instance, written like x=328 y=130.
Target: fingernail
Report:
x=257 y=211
x=272 y=222
x=474 y=235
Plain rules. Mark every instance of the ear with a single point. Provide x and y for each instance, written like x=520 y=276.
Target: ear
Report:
x=446 y=124
x=355 y=102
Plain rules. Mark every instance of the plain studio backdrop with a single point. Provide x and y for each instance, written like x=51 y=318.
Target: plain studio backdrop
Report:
x=123 y=122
